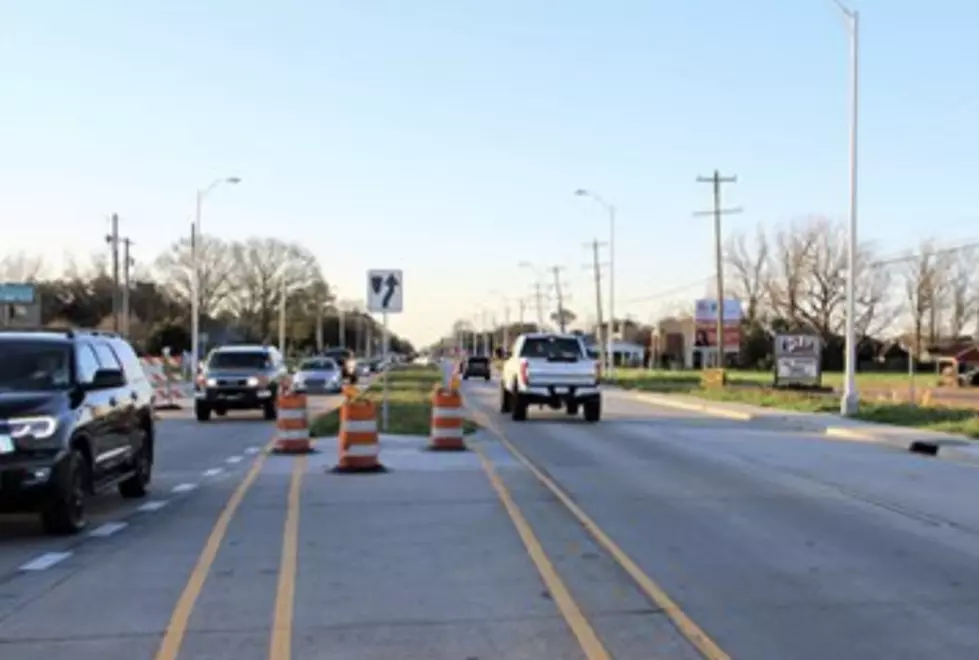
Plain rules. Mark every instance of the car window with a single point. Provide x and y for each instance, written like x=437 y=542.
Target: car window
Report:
x=34 y=365
x=542 y=347
x=320 y=364
x=130 y=363
x=107 y=359
x=86 y=364
x=239 y=360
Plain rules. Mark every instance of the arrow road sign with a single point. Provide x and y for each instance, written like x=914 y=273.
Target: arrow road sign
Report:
x=385 y=291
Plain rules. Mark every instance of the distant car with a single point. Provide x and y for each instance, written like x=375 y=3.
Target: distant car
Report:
x=476 y=366
x=318 y=375
x=347 y=361
x=239 y=378
x=76 y=418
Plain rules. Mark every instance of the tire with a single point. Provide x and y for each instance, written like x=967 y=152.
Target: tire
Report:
x=518 y=410
x=220 y=412
x=202 y=412
x=137 y=485
x=593 y=410
x=465 y=376
x=487 y=378
x=506 y=401
x=65 y=512
x=268 y=411
x=572 y=408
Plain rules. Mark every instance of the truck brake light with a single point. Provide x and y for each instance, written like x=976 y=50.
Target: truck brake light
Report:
x=524 y=372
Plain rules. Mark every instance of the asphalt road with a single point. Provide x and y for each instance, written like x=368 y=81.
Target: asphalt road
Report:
x=653 y=534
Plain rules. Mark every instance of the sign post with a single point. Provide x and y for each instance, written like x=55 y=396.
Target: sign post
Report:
x=385 y=295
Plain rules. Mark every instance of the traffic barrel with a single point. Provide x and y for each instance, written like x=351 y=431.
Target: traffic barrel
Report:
x=358 y=441
x=292 y=435
x=447 y=420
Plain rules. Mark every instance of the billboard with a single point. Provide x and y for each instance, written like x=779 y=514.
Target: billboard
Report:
x=798 y=360
x=705 y=324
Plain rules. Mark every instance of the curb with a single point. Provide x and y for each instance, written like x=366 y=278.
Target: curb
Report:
x=704 y=408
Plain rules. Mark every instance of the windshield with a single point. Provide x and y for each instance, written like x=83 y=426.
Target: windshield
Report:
x=34 y=365
x=544 y=347
x=318 y=365
x=239 y=360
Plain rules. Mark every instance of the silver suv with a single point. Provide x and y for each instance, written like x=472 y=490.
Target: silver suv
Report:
x=240 y=378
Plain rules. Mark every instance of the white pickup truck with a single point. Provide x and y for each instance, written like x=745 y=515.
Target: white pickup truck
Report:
x=551 y=370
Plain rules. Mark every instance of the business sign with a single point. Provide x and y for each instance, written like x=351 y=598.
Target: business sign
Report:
x=17 y=294
x=705 y=310
x=705 y=336
x=798 y=360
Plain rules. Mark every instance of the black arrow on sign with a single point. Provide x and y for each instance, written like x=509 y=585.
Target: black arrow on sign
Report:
x=376 y=282
x=392 y=284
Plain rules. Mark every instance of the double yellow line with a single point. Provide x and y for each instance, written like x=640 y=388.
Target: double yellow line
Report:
x=280 y=646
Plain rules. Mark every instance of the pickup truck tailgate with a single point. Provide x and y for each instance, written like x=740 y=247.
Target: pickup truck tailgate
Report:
x=543 y=372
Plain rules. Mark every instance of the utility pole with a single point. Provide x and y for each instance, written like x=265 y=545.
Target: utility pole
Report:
x=319 y=324
x=506 y=326
x=127 y=263
x=523 y=305
x=604 y=343
x=556 y=270
x=113 y=241
x=716 y=180
x=539 y=296
x=342 y=327
x=282 y=318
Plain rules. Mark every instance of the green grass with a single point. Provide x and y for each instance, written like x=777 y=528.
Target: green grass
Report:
x=409 y=404
x=751 y=388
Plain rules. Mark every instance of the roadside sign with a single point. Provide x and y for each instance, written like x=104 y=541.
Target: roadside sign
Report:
x=798 y=360
x=17 y=294
x=385 y=291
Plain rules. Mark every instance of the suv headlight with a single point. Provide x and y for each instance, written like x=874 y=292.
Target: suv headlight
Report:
x=212 y=382
x=252 y=381
x=35 y=427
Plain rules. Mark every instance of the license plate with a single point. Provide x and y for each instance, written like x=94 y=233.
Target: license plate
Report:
x=560 y=390
x=6 y=444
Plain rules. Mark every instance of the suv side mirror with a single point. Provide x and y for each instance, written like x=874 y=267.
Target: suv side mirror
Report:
x=106 y=379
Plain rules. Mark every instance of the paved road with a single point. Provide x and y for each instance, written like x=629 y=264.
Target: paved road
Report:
x=777 y=545
x=704 y=538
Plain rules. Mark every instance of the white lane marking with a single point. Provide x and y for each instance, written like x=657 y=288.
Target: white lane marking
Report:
x=108 y=529
x=183 y=488
x=213 y=472
x=253 y=450
x=45 y=561
x=153 y=505
x=234 y=459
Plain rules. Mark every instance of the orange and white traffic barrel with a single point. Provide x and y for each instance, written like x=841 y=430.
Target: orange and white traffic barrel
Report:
x=447 y=420
x=358 y=441
x=292 y=424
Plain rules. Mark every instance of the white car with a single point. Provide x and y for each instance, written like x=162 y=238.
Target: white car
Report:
x=318 y=375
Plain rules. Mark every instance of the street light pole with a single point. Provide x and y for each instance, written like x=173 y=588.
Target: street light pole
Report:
x=851 y=397
x=195 y=237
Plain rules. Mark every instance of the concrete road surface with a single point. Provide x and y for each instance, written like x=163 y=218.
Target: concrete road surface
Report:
x=653 y=534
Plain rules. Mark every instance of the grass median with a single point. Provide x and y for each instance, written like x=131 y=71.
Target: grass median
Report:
x=409 y=404
x=754 y=389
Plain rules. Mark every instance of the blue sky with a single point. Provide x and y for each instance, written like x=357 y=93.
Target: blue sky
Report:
x=446 y=138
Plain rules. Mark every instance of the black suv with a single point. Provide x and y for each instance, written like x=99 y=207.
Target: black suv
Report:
x=76 y=417
x=240 y=378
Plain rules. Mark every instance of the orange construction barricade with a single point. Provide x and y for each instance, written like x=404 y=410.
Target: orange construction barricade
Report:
x=292 y=424
x=359 y=447
x=447 y=420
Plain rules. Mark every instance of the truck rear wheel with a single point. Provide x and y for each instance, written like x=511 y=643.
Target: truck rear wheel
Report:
x=518 y=411
x=506 y=400
x=593 y=410
x=572 y=408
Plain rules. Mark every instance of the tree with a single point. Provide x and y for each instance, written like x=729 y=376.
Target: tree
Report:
x=21 y=267
x=961 y=291
x=749 y=266
x=215 y=266
x=787 y=272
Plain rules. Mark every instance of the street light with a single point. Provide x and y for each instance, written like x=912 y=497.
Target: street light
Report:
x=610 y=333
x=851 y=398
x=194 y=271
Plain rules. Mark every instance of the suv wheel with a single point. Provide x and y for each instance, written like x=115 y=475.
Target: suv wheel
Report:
x=268 y=410
x=518 y=407
x=202 y=411
x=65 y=512
x=138 y=484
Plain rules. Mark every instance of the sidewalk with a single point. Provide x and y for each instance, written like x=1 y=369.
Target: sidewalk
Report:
x=946 y=445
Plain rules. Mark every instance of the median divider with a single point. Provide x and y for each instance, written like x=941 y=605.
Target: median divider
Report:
x=448 y=416
x=292 y=433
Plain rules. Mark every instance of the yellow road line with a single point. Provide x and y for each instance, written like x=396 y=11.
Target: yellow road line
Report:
x=683 y=623
x=173 y=639
x=580 y=627
x=280 y=647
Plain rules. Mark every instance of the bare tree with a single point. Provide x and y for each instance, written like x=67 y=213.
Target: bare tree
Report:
x=21 y=267
x=824 y=275
x=920 y=284
x=748 y=270
x=788 y=271
x=262 y=268
x=962 y=292
x=215 y=265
